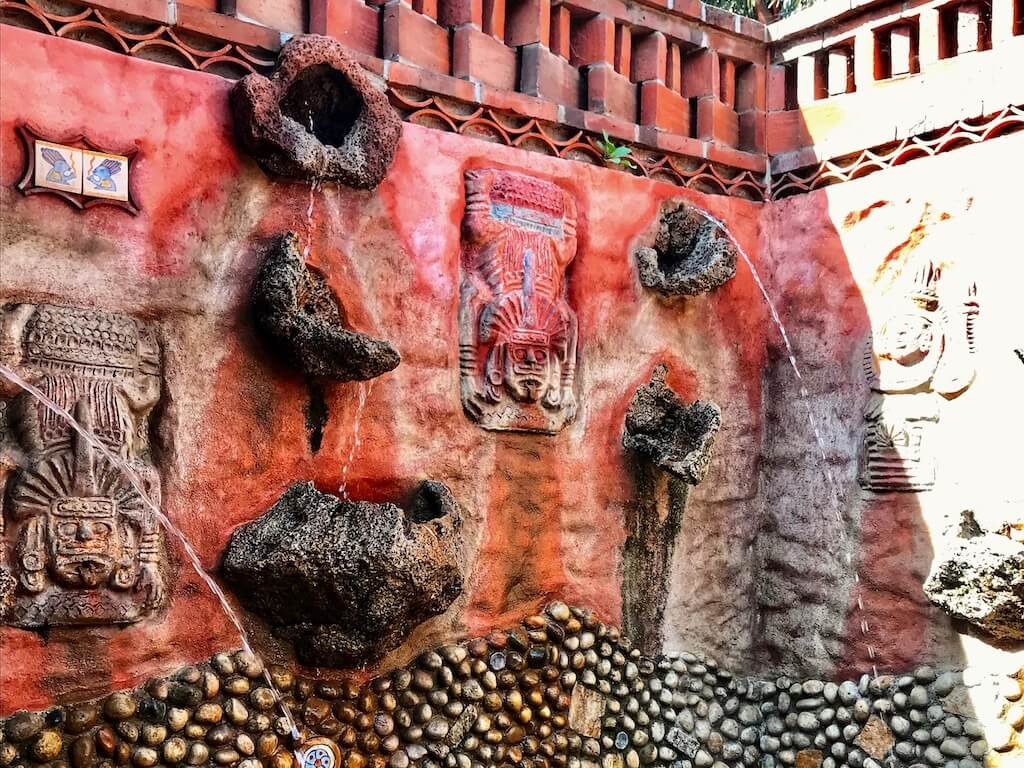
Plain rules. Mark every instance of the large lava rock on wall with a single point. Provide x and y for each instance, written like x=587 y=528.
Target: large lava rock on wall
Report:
x=691 y=253
x=979 y=578
x=346 y=581
x=317 y=117
x=302 y=317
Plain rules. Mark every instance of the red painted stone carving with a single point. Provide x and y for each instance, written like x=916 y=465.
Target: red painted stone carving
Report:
x=517 y=332
x=921 y=353
x=74 y=533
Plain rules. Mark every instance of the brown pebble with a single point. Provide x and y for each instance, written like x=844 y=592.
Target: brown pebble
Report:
x=245 y=745
x=197 y=754
x=195 y=731
x=355 y=760
x=128 y=731
x=7 y=754
x=106 y=740
x=262 y=699
x=22 y=726
x=220 y=735
x=237 y=685
x=122 y=754
x=47 y=746
x=248 y=664
x=281 y=759
x=176 y=718
x=174 y=750
x=153 y=735
x=81 y=718
x=208 y=713
x=282 y=678
x=145 y=757
x=235 y=711
x=119 y=706
x=266 y=745
x=226 y=756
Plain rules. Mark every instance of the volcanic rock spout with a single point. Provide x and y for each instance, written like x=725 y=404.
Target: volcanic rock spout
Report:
x=297 y=310
x=691 y=254
x=346 y=581
x=671 y=444
x=317 y=117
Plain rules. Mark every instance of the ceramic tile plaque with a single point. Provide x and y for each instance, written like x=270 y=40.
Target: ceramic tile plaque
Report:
x=58 y=167
x=77 y=170
x=105 y=175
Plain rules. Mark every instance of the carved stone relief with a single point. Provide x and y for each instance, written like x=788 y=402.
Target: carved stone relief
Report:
x=919 y=355
x=75 y=535
x=517 y=332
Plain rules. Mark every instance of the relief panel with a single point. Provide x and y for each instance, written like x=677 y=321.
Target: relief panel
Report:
x=517 y=332
x=920 y=355
x=78 y=539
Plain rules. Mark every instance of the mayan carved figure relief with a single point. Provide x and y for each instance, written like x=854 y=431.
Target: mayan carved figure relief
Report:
x=919 y=356
x=75 y=535
x=517 y=332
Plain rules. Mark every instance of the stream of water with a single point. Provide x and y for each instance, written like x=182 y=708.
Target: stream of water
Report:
x=365 y=387
x=830 y=481
x=136 y=482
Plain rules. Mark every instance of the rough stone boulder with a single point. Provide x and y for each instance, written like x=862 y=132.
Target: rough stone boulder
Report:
x=674 y=436
x=346 y=581
x=691 y=254
x=317 y=117
x=300 y=314
x=979 y=578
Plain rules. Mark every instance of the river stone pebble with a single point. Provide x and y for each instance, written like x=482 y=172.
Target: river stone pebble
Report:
x=563 y=688
x=47 y=746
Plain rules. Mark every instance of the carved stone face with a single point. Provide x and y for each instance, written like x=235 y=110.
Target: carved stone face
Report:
x=84 y=541
x=906 y=338
x=527 y=369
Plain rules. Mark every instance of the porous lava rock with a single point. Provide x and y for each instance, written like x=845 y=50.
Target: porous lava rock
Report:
x=691 y=254
x=346 y=581
x=317 y=117
x=302 y=317
x=670 y=443
x=979 y=578
x=674 y=436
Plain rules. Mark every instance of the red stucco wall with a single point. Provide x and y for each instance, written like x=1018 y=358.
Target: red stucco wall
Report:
x=545 y=514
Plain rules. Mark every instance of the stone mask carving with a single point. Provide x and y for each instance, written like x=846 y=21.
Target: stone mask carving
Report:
x=517 y=332
x=920 y=354
x=81 y=543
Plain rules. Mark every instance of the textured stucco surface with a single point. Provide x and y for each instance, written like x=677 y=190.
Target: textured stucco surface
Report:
x=760 y=577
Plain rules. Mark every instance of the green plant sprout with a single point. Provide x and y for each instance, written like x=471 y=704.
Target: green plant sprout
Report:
x=615 y=153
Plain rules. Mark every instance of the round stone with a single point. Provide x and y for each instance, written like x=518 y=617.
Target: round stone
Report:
x=81 y=718
x=119 y=706
x=208 y=713
x=83 y=752
x=175 y=749
x=22 y=726
x=226 y=757
x=47 y=746
x=145 y=757
x=248 y=664
x=198 y=754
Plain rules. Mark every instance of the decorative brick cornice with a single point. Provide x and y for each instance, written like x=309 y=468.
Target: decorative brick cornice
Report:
x=714 y=45
x=145 y=38
x=961 y=133
x=559 y=140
